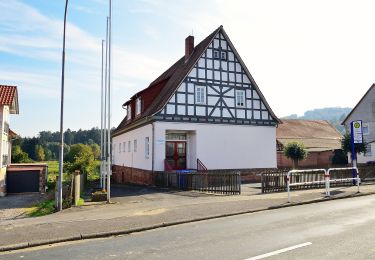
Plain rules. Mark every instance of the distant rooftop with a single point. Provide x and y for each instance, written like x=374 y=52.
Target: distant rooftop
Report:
x=316 y=135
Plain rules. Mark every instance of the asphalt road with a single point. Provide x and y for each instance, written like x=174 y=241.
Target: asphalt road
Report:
x=339 y=229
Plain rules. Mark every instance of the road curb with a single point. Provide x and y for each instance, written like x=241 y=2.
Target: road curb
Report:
x=82 y=236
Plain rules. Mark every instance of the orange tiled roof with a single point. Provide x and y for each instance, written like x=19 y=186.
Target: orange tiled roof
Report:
x=7 y=94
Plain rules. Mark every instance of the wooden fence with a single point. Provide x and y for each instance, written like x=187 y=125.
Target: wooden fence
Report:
x=212 y=182
x=276 y=180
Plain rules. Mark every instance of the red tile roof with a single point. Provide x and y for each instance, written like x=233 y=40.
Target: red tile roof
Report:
x=9 y=97
x=7 y=94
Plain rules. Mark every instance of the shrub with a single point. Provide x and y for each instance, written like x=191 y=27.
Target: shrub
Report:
x=296 y=152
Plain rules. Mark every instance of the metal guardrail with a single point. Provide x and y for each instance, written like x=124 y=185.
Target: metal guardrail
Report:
x=327 y=179
x=311 y=182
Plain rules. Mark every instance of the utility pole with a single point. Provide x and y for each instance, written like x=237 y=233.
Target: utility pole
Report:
x=109 y=105
x=101 y=122
x=61 y=157
x=105 y=172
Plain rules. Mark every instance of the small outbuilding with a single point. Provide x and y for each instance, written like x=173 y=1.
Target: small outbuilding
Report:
x=319 y=137
x=22 y=178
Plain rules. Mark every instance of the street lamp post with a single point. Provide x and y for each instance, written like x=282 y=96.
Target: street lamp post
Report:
x=61 y=158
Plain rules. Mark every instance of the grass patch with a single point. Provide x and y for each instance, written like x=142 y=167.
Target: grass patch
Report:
x=80 y=202
x=41 y=209
x=53 y=166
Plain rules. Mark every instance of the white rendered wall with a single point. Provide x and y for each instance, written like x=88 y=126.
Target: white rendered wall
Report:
x=221 y=146
x=133 y=159
x=361 y=158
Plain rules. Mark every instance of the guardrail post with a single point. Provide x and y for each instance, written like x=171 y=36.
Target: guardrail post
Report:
x=358 y=179
x=288 y=185
x=327 y=178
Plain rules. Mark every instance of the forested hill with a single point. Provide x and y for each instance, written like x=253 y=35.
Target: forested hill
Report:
x=46 y=145
x=334 y=115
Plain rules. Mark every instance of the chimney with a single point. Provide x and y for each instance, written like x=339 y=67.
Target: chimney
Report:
x=189 y=46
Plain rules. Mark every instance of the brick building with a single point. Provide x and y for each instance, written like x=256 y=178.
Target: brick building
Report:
x=320 y=138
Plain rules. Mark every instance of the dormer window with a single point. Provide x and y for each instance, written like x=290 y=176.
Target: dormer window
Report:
x=129 y=115
x=138 y=106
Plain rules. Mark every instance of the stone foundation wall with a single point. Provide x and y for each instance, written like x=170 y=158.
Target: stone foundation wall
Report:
x=123 y=174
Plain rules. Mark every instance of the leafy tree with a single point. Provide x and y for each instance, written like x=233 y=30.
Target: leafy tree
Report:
x=296 y=152
x=39 y=153
x=28 y=146
x=346 y=145
x=80 y=157
x=19 y=156
x=69 y=137
x=339 y=157
x=95 y=150
x=48 y=154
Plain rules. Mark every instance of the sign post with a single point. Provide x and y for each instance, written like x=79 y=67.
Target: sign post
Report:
x=356 y=138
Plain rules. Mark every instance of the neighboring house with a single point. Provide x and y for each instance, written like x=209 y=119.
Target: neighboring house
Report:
x=365 y=111
x=319 y=137
x=8 y=105
x=205 y=108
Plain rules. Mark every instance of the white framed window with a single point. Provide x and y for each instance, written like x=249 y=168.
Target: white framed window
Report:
x=216 y=55
x=129 y=146
x=119 y=148
x=135 y=145
x=124 y=146
x=223 y=55
x=365 y=129
x=138 y=106
x=129 y=115
x=200 y=95
x=368 y=150
x=147 y=147
x=240 y=98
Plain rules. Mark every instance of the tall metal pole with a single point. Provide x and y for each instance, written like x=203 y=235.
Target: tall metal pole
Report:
x=101 y=119
x=105 y=108
x=61 y=159
x=109 y=105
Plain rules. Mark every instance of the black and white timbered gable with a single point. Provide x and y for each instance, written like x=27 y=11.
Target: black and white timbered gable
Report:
x=218 y=89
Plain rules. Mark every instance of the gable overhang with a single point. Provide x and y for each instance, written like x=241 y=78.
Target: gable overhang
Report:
x=177 y=74
x=360 y=101
x=251 y=77
x=14 y=108
x=221 y=29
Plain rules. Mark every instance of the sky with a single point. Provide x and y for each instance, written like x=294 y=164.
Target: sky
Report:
x=302 y=54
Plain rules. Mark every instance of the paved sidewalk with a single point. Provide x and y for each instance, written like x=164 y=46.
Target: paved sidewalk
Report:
x=136 y=209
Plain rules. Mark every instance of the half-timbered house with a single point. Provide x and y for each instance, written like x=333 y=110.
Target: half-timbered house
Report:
x=204 y=111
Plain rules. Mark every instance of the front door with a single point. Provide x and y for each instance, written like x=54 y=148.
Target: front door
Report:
x=176 y=154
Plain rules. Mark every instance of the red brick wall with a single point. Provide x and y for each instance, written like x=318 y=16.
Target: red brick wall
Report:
x=123 y=174
x=314 y=159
